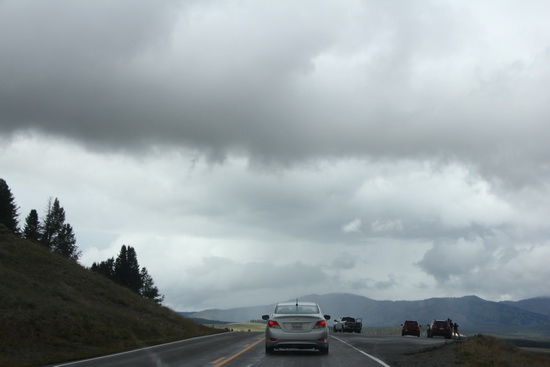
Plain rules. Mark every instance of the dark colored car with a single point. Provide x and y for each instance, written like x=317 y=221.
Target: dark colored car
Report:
x=410 y=327
x=348 y=324
x=439 y=328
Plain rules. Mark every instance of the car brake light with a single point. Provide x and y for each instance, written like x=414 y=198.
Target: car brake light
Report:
x=273 y=324
x=320 y=324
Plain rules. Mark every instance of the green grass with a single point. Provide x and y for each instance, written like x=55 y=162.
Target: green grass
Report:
x=241 y=326
x=489 y=351
x=52 y=309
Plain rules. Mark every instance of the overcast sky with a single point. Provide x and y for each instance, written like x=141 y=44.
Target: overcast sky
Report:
x=255 y=151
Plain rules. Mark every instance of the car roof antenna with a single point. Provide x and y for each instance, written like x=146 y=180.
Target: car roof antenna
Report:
x=296 y=302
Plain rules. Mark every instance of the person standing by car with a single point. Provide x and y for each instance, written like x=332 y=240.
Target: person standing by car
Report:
x=455 y=329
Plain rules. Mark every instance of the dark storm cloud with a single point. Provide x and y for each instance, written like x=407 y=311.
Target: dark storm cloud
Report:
x=135 y=73
x=277 y=82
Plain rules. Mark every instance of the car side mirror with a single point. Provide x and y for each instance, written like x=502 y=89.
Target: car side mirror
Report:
x=265 y=317
x=327 y=317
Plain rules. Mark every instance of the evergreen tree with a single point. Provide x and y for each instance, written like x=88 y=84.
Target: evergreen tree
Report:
x=57 y=235
x=127 y=269
x=8 y=208
x=32 y=226
x=52 y=223
x=148 y=288
x=65 y=243
x=106 y=268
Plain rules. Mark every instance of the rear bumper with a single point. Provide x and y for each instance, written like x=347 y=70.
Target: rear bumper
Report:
x=307 y=340
x=446 y=334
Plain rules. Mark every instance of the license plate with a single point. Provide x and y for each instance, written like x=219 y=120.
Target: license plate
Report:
x=296 y=326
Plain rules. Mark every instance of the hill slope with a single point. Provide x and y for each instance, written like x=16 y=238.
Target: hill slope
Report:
x=52 y=309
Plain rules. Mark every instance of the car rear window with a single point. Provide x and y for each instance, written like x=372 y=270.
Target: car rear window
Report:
x=288 y=310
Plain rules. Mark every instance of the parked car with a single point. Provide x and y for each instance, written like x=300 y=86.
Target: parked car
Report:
x=410 y=327
x=348 y=324
x=296 y=325
x=439 y=328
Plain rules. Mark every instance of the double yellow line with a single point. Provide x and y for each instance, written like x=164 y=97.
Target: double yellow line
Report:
x=223 y=360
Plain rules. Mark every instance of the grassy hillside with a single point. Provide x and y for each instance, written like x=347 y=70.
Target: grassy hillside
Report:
x=483 y=350
x=52 y=309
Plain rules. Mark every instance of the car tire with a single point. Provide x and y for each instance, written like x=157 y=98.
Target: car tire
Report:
x=269 y=350
x=323 y=350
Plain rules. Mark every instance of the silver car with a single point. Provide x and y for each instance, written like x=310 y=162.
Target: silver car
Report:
x=298 y=325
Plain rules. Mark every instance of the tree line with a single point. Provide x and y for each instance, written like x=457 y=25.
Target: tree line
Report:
x=125 y=270
x=58 y=236
x=51 y=230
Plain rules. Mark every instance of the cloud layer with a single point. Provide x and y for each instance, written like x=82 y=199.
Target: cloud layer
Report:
x=397 y=150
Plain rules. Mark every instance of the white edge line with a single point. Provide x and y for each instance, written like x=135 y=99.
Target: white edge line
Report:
x=360 y=351
x=135 y=350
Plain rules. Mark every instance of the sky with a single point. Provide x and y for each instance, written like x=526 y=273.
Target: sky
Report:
x=256 y=151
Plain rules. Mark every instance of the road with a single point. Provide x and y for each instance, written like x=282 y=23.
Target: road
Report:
x=238 y=349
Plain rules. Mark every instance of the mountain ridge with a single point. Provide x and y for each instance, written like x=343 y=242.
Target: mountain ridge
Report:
x=471 y=312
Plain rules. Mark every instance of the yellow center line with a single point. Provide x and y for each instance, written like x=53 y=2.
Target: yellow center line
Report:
x=221 y=361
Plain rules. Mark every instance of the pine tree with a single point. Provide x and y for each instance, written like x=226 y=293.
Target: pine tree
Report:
x=127 y=269
x=52 y=223
x=32 y=226
x=107 y=268
x=65 y=243
x=8 y=208
x=57 y=235
x=148 y=288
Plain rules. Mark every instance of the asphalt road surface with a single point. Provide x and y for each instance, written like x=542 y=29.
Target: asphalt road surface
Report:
x=247 y=349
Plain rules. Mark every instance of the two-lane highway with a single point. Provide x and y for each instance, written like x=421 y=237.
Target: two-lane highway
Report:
x=216 y=351
x=247 y=349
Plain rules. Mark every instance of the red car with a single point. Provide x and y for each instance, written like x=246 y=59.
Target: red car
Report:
x=410 y=327
x=440 y=328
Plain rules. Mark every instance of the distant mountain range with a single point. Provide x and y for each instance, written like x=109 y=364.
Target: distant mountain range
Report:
x=529 y=317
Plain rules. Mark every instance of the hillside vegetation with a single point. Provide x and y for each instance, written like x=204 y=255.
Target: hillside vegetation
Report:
x=477 y=351
x=53 y=309
x=486 y=351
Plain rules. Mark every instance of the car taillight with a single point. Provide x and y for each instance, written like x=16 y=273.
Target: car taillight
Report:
x=320 y=324
x=273 y=324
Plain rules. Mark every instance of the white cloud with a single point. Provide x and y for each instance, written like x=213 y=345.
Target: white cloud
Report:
x=353 y=226
x=354 y=147
x=386 y=226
